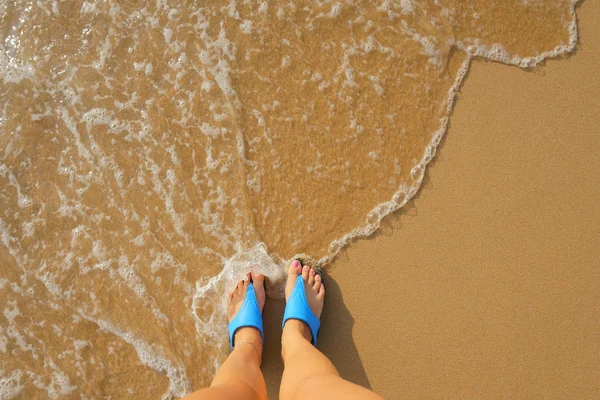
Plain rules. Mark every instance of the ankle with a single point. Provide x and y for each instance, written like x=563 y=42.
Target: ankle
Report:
x=250 y=351
x=297 y=327
x=248 y=338
x=296 y=334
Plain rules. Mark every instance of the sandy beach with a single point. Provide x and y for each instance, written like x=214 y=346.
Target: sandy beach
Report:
x=487 y=284
x=152 y=153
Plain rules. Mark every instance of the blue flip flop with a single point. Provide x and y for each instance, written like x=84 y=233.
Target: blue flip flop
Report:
x=248 y=316
x=297 y=308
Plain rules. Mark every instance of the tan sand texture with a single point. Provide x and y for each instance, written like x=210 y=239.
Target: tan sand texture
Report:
x=488 y=284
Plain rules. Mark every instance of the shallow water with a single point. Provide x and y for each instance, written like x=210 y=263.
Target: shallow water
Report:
x=150 y=153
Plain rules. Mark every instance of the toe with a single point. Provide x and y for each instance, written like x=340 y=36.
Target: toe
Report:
x=295 y=268
x=258 y=280
x=317 y=284
x=305 y=272
x=236 y=298
x=311 y=277
x=321 y=294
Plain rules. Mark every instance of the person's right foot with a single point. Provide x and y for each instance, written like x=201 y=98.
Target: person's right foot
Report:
x=315 y=294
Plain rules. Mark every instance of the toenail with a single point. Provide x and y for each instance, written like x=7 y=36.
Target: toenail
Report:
x=312 y=272
x=295 y=263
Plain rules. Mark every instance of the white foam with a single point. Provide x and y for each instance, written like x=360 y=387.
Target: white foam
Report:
x=12 y=69
x=336 y=10
x=60 y=384
x=152 y=356
x=417 y=172
x=407 y=192
x=217 y=57
x=246 y=26
x=11 y=313
x=88 y=7
x=14 y=73
x=497 y=52
x=211 y=327
x=10 y=384
x=3 y=341
x=23 y=201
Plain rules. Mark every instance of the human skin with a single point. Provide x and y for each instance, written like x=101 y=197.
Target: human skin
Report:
x=308 y=374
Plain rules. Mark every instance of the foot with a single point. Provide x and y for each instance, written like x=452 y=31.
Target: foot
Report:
x=236 y=299
x=315 y=294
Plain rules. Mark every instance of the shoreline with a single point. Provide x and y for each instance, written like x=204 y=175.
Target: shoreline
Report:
x=484 y=284
x=476 y=54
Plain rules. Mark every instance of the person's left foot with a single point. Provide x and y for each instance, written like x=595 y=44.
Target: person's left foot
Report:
x=236 y=299
x=313 y=289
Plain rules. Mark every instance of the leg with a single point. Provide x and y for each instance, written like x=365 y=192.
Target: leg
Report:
x=308 y=373
x=240 y=377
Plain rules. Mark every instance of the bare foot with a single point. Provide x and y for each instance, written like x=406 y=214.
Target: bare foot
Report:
x=315 y=294
x=236 y=299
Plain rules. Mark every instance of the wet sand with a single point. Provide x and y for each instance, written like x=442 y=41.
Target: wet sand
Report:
x=487 y=284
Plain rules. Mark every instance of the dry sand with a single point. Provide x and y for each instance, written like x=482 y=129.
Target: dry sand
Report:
x=487 y=285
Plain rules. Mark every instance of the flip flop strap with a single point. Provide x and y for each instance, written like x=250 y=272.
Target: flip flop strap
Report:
x=249 y=315
x=297 y=307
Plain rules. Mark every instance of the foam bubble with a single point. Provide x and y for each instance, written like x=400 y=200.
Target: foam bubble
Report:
x=11 y=313
x=336 y=10
x=88 y=7
x=400 y=198
x=334 y=247
x=373 y=217
x=10 y=384
x=246 y=26
x=152 y=356
x=417 y=172
x=80 y=344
